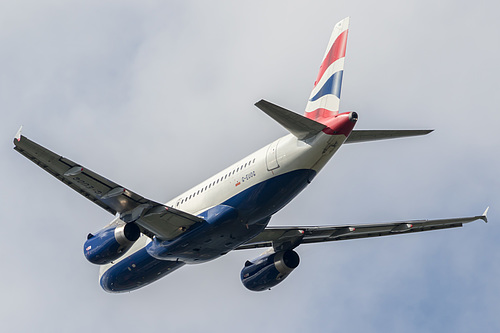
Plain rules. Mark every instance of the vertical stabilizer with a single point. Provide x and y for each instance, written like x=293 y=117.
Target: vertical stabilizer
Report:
x=324 y=101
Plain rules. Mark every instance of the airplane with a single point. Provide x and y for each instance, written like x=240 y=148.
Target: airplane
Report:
x=231 y=210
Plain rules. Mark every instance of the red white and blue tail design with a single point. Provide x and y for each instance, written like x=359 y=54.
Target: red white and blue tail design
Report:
x=324 y=101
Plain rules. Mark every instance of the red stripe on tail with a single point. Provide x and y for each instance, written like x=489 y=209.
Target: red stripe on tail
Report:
x=336 y=52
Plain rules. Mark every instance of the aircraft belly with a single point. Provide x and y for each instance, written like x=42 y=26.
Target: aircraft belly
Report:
x=267 y=197
x=136 y=271
x=237 y=220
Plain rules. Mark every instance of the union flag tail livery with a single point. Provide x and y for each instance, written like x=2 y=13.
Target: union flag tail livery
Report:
x=231 y=210
x=324 y=101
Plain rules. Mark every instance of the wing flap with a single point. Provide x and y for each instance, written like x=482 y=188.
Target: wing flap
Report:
x=153 y=218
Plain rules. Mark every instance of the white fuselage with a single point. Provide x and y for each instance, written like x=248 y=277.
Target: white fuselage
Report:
x=281 y=157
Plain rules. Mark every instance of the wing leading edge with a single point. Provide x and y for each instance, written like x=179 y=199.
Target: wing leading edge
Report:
x=283 y=238
x=152 y=217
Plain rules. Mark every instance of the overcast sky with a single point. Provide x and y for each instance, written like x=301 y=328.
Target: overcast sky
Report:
x=158 y=96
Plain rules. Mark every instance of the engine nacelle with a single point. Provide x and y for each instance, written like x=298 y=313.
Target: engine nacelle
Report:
x=110 y=243
x=268 y=270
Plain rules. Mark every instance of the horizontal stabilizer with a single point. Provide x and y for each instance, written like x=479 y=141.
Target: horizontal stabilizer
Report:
x=300 y=126
x=374 y=135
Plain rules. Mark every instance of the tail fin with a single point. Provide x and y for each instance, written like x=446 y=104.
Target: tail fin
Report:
x=324 y=101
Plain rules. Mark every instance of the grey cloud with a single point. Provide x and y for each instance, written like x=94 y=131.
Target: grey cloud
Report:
x=160 y=96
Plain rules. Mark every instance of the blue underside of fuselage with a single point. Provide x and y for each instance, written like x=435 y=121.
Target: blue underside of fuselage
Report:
x=242 y=217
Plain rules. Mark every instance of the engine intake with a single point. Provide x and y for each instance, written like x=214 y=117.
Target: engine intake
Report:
x=110 y=243
x=268 y=270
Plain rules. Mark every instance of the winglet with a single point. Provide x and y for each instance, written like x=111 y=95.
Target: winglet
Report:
x=18 y=134
x=484 y=217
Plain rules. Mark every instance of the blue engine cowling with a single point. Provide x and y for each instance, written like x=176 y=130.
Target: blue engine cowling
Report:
x=268 y=270
x=110 y=243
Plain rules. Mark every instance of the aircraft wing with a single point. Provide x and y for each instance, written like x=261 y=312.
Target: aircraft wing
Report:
x=283 y=238
x=153 y=218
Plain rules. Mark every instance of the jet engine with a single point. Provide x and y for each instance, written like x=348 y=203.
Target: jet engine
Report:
x=110 y=243
x=268 y=270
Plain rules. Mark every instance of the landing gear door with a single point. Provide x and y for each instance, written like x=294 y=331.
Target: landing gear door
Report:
x=272 y=156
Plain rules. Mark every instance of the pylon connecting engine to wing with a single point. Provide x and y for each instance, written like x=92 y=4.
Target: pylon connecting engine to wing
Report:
x=268 y=270
x=110 y=243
